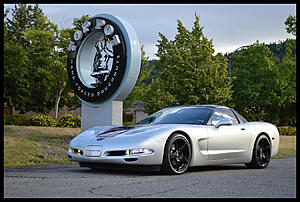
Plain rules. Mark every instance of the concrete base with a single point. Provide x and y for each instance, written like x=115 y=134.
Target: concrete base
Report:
x=109 y=114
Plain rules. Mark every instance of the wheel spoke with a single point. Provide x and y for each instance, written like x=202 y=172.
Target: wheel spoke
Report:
x=176 y=145
x=182 y=147
x=173 y=147
x=172 y=156
x=262 y=143
x=267 y=155
x=174 y=163
x=179 y=164
x=185 y=160
x=260 y=156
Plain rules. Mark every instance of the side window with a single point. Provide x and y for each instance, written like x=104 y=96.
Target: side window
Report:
x=220 y=114
x=216 y=117
x=240 y=117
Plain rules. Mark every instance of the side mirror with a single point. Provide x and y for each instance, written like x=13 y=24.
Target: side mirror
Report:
x=224 y=122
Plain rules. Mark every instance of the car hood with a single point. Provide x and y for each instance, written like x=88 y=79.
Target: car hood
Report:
x=133 y=130
x=100 y=133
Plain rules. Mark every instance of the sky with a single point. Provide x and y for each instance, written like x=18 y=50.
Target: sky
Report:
x=230 y=26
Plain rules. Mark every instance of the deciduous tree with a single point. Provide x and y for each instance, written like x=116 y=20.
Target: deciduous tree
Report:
x=253 y=88
x=188 y=69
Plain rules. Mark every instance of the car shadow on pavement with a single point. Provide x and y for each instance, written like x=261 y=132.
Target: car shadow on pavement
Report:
x=151 y=172
x=217 y=168
x=116 y=171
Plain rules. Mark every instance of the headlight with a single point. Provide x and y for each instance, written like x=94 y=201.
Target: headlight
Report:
x=141 y=151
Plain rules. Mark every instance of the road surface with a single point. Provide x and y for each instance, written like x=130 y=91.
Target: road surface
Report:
x=278 y=180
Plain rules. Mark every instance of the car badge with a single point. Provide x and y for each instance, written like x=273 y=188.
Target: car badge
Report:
x=101 y=138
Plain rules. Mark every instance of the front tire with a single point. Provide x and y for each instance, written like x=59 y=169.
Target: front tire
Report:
x=177 y=155
x=261 y=153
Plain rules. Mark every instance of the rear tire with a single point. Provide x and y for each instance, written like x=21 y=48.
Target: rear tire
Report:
x=177 y=155
x=261 y=153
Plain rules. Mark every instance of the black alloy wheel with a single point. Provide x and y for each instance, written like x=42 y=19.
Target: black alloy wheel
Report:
x=261 y=153
x=177 y=155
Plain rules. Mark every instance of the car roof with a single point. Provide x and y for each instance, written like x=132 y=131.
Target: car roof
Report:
x=205 y=105
x=213 y=106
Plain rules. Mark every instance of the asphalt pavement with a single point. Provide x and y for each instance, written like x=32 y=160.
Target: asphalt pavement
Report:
x=278 y=180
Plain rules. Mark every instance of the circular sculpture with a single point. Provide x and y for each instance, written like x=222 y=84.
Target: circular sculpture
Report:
x=104 y=60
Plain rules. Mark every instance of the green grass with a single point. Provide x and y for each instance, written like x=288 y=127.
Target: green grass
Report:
x=287 y=147
x=35 y=145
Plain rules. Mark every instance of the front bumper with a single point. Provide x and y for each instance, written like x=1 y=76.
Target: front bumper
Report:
x=86 y=156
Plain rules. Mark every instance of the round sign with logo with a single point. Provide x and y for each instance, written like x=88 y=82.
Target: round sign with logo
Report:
x=104 y=60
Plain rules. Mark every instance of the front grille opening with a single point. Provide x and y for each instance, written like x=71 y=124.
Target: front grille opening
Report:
x=130 y=159
x=118 y=153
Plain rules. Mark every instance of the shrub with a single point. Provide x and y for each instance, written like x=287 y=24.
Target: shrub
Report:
x=68 y=120
x=8 y=120
x=287 y=131
x=127 y=117
x=43 y=120
x=127 y=123
x=17 y=119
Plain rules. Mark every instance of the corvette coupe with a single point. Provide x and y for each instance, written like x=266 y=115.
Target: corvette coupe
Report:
x=177 y=138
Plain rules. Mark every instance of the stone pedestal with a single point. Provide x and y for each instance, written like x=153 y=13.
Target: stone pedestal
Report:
x=110 y=113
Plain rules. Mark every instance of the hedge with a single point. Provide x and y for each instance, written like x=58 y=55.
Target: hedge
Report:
x=43 y=120
x=17 y=119
x=287 y=131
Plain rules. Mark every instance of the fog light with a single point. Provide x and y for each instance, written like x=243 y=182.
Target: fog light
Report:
x=127 y=153
x=77 y=151
x=141 y=151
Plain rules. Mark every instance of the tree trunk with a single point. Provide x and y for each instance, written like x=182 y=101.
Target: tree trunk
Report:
x=56 y=104
x=57 y=99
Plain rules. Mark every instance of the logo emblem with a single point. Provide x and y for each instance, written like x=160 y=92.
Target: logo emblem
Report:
x=96 y=60
x=102 y=62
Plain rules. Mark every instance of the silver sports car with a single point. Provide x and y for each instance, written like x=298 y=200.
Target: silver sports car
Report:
x=176 y=138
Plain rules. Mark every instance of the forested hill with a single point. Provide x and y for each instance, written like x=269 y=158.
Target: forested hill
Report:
x=278 y=50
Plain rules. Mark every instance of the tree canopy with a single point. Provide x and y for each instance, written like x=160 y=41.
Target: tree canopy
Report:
x=291 y=24
x=35 y=58
x=264 y=88
x=188 y=71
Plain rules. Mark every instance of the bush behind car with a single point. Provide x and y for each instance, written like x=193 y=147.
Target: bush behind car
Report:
x=66 y=120
x=287 y=131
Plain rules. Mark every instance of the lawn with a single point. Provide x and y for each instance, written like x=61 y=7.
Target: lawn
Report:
x=287 y=147
x=35 y=145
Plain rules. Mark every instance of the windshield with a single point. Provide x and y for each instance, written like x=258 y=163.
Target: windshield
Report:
x=183 y=115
